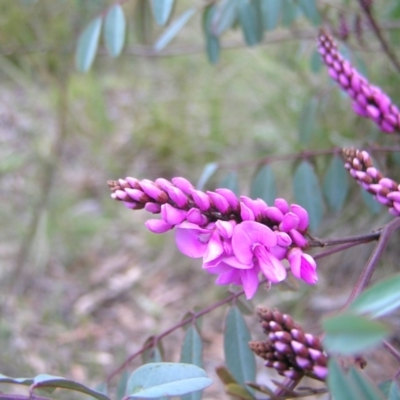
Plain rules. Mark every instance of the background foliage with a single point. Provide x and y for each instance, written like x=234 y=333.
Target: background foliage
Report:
x=83 y=284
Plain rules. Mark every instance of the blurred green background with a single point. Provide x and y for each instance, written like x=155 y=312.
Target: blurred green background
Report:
x=82 y=282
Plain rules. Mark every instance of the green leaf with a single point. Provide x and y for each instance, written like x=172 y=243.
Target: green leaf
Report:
x=336 y=184
x=373 y=205
x=238 y=356
x=173 y=29
x=307 y=121
x=166 y=379
x=224 y=16
x=19 y=381
x=230 y=181
x=212 y=41
x=270 y=12
x=289 y=12
x=394 y=392
x=366 y=390
x=340 y=387
x=263 y=185
x=114 y=30
x=121 y=388
x=316 y=62
x=162 y=10
x=238 y=392
x=248 y=17
x=310 y=10
x=351 y=334
x=208 y=171
x=378 y=300
x=308 y=193
x=50 y=381
x=192 y=354
x=87 y=45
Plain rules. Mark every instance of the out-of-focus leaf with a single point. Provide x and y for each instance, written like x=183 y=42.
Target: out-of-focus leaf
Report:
x=315 y=62
x=212 y=41
x=336 y=184
x=263 y=185
x=238 y=356
x=238 y=392
x=394 y=392
x=378 y=300
x=307 y=121
x=114 y=30
x=224 y=375
x=373 y=205
x=207 y=173
x=289 y=12
x=87 y=45
x=230 y=181
x=310 y=10
x=143 y=21
x=19 y=381
x=340 y=387
x=162 y=10
x=385 y=386
x=271 y=12
x=121 y=388
x=307 y=192
x=366 y=390
x=246 y=307
x=224 y=17
x=50 y=381
x=251 y=25
x=192 y=354
x=166 y=379
x=173 y=29
x=351 y=334
x=153 y=354
x=102 y=388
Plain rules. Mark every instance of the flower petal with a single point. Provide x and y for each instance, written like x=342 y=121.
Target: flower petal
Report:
x=270 y=266
x=192 y=242
x=246 y=235
x=249 y=281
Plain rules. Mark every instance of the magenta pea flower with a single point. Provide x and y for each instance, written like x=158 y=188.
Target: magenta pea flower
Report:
x=251 y=244
x=303 y=266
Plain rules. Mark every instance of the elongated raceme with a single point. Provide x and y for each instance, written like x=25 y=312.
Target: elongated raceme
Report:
x=288 y=349
x=238 y=238
x=368 y=101
x=361 y=168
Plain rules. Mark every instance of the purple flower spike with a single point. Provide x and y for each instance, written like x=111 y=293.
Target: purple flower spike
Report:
x=183 y=184
x=201 y=200
x=230 y=197
x=172 y=215
x=290 y=221
x=158 y=225
x=303 y=216
x=282 y=204
x=251 y=242
x=303 y=266
x=368 y=100
x=153 y=191
x=153 y=208
x=274 y=214
x=219 y=201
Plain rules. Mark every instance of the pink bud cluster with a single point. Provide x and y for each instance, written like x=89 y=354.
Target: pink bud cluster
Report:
x=368 y=100
x=361 y=168
x=288 y=349
x=237 y=238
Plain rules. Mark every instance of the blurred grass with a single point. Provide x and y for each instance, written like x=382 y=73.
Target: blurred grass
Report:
x=94 y=284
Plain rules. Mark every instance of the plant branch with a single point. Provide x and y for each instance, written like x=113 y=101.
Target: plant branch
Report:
x=186 y=321
x=369 y=268
x=366 y=7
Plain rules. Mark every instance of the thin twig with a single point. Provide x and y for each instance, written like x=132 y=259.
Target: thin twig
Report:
x=369 y=237
x=369 y=268
x=186 y=321
x=377 y=30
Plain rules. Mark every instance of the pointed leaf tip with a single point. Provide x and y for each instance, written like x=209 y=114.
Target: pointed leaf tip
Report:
x=87 y=45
